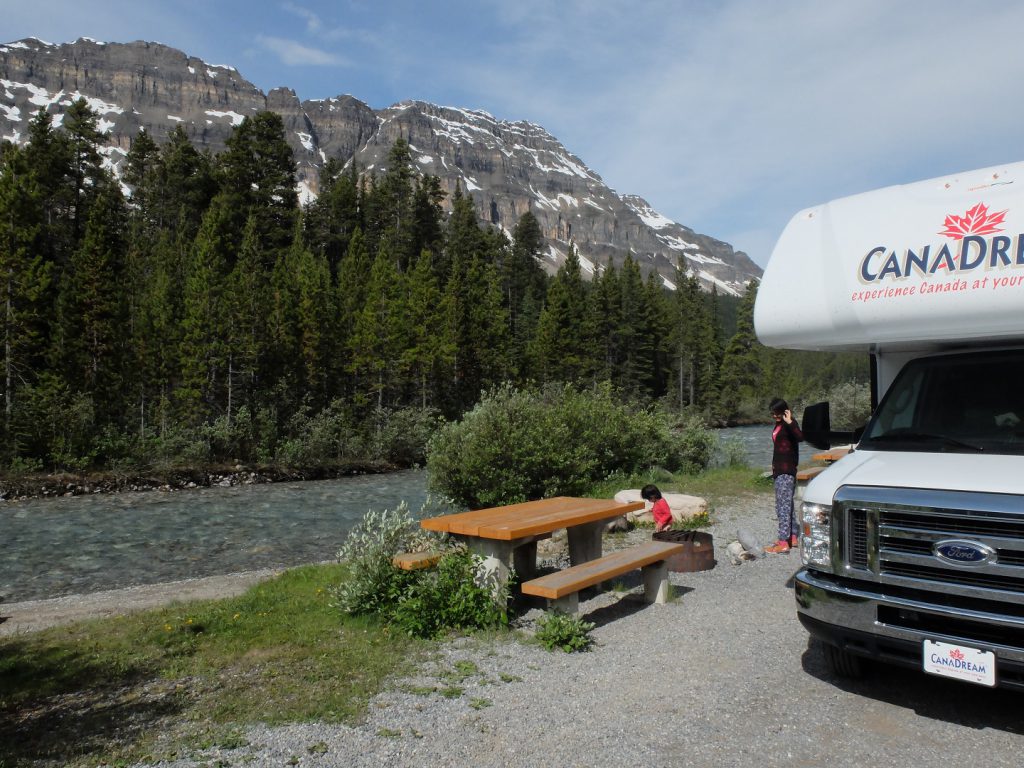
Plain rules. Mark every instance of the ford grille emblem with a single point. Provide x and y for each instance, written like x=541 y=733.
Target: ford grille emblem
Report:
x=960 y=552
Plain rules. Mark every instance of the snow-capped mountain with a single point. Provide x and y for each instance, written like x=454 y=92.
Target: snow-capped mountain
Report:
x=507 y=168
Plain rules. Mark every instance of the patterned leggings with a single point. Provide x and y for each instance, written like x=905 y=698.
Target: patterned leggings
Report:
x=784 y=508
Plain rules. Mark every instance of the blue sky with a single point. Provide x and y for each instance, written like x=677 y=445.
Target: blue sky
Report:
x=726 y=116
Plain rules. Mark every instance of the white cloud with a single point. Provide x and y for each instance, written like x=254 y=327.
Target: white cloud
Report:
x=296 y=54
x=730 y=117
x=313 y=23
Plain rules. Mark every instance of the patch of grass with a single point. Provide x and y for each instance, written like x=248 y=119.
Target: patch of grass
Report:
x=389 y=733
x=480 y=703
x=711 y=484
x=452 y=692
x=506 y=678
x=148 y=685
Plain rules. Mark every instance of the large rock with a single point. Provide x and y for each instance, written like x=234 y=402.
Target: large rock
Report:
x=683 y=507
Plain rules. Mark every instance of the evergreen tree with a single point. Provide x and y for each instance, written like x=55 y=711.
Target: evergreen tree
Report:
x=605 y=310
x=25 y=279
x=431 y=351
x=93 y=310
x=352 y=290
x=203 y=352
x=246 y=302
x=313 y=279
x=523 y=285
x=84 y=140
x=48 y=159
x=332 y=219
x=741 y=369
x=140 y=173
x=378 y=337
x=155 y=323
x=562 y=348
x=185 y=184
x=391 y=222
x=427 y=232
x=257 y=175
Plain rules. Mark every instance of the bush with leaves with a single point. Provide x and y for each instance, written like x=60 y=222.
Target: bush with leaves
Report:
x=374 y=585
x=560 y=630
x=454 y=595
x=517 y=445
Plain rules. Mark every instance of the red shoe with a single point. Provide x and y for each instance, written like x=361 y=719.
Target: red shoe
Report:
x=778 y=548
x=794 y=541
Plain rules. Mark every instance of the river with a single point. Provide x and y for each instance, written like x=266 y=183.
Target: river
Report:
x=74 y=545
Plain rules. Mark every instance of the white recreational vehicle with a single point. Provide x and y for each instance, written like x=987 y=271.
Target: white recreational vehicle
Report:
x=913 y=544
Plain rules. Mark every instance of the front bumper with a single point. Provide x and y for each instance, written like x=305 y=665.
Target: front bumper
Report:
x=861 y=618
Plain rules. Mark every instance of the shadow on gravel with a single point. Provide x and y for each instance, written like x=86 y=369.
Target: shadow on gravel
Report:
x=51 y=715
x=936 y=698
x=627 y=606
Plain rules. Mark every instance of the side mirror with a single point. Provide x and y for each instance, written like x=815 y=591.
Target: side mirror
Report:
x=817 y=426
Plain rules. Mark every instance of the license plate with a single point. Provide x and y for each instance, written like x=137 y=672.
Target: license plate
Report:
x=960 y=662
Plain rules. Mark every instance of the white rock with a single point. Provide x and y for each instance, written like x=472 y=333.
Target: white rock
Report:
x=737 y=554
x=682 y=506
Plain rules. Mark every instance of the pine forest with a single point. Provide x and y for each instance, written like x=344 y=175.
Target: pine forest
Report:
x=192 y=312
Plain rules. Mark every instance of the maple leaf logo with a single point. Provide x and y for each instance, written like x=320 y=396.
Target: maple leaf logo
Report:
x=977 y=221
x=957 y=654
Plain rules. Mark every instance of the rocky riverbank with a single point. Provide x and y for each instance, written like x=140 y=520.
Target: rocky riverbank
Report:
x=31 y=486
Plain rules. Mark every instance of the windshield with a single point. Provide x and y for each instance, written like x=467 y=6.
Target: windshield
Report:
x=959 y=403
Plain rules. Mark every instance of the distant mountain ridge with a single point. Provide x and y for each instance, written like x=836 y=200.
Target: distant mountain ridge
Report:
x=507 y=168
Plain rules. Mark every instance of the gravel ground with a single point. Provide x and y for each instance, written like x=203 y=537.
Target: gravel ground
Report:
x=721 y=676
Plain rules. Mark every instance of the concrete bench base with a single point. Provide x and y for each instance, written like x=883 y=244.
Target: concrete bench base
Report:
x=562 y=587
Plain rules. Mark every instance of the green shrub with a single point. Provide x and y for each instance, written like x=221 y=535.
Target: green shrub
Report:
x=374 y=585
x=454 y=595
x=328 y=435
x=559 y=630
x=517 y=445
x=401 y=434
x=732 y=453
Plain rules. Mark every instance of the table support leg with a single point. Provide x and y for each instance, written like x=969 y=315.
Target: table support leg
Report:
x=656 y=585
x=585 y=542
x=524 y=560
x=569 y=604
x=499 y=558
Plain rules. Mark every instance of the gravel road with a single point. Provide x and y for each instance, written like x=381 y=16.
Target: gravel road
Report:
x=721 y=676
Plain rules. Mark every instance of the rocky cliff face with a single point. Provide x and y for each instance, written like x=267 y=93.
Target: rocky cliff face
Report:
x=508 y=168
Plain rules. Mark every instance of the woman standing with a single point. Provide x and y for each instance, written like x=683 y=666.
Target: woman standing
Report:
x=786 y=435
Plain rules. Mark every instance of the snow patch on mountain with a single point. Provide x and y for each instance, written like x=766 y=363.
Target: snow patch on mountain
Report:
x=236 y=119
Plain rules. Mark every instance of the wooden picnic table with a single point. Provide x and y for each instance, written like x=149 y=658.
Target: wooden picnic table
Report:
x=831 y=456
x=506 y=537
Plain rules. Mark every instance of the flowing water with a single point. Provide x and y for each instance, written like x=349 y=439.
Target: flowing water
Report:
x=80 y=544
x=74 y=545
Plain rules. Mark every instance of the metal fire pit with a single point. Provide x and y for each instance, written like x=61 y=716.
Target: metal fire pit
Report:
x=698 y=553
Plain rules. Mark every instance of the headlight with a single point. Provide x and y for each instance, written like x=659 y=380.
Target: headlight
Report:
x=816 y=542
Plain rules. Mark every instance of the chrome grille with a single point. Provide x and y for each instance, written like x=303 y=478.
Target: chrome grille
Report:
x=858 y=538
x=890 y=536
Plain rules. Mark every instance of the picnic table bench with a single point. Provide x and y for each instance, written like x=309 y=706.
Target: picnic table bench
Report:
x=562 y=587
x=506 y=537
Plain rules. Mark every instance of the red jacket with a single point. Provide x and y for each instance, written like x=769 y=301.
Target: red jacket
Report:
x=662 y=514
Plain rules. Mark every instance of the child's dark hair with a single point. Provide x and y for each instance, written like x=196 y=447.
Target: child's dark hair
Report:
x=778 y=405
x=650 y=493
